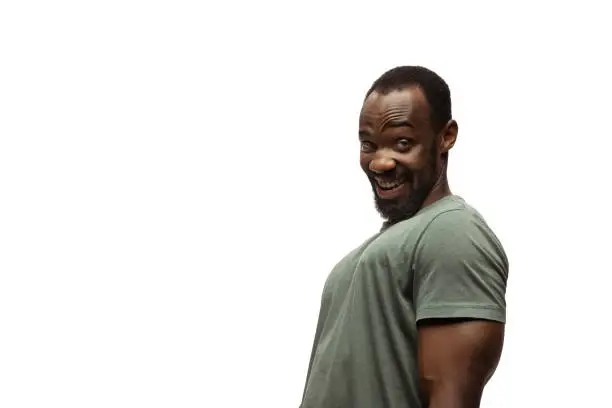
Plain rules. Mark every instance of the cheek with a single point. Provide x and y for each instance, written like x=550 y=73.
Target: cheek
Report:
x=416 y=159
x=364 y=161
x=422 y=166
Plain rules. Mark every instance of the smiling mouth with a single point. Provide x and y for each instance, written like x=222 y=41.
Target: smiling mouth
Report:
x=387 y=185
x=390 y=189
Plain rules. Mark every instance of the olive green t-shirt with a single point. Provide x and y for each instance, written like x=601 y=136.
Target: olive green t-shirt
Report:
x=445 y=262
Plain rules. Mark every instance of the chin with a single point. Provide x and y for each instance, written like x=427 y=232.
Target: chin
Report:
x=400 y=209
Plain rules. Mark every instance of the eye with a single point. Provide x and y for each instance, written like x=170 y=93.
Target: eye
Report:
x=367 y=147
x=404 y=144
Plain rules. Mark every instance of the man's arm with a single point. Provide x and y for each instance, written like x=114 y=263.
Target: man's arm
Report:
x=459 y=290
x=456 y=359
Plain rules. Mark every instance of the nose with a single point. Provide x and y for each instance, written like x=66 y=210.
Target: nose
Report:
x=382 y=164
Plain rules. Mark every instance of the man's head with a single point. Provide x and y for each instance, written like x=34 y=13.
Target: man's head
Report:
x=406 y=130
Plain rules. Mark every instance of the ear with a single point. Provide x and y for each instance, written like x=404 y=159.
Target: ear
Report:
x=448 y=136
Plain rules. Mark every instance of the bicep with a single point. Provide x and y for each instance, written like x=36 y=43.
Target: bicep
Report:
x=457 y=358
x=460 y=274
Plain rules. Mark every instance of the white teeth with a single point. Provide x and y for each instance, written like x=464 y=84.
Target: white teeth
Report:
x=388 y=184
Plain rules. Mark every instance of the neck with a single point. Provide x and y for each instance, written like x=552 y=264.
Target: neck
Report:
x=440 y=191
x=441 y=188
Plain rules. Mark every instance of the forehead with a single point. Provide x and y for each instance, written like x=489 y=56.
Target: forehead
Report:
x=407 y=104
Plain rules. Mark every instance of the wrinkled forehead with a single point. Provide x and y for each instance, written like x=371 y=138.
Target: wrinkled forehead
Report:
x=402 y=105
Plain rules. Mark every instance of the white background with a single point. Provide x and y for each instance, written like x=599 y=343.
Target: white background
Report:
x=178 y=178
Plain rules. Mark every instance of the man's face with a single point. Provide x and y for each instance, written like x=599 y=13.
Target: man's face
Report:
x=399 y=153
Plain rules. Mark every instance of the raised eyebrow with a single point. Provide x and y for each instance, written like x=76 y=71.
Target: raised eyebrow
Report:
x=364 y=133
x=398 y=123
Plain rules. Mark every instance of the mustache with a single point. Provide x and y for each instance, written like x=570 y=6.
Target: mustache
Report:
x=394 y=174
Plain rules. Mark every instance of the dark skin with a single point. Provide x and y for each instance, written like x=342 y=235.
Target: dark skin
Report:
x=400 y=145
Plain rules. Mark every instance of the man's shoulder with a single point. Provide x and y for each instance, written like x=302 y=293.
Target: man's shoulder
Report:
x=440 y=223
x=452 y=212
x=458 y=229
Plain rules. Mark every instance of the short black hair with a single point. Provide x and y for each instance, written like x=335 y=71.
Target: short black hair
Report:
x=431 y=84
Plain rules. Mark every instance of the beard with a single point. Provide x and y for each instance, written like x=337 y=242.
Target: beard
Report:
x=402 y=208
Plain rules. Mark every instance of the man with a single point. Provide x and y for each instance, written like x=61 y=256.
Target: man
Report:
x=414 y=317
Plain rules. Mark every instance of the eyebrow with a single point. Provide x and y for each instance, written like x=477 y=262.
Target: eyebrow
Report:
x=391 y=124
x=364 y=134
x=398 y=123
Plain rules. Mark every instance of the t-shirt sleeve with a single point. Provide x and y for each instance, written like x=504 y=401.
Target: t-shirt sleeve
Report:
x=460 y=269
